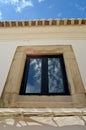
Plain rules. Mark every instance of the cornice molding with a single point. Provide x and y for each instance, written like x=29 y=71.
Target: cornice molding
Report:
x=43 y=22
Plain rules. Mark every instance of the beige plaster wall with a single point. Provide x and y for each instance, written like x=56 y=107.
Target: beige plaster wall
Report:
x=10 y=38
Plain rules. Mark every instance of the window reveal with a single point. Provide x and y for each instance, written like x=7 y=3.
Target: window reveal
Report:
x=44 y=75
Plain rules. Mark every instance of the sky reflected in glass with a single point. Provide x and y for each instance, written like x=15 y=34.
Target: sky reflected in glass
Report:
x=55 y=76
x=34 y=76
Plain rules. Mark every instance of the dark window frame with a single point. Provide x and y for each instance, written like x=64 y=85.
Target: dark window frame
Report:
x=44 y=91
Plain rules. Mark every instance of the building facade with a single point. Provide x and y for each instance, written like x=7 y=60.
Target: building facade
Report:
x=51 y=39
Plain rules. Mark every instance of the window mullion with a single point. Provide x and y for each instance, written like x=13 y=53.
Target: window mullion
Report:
x=44 y=89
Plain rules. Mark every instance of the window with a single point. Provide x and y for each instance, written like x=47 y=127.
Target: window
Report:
x=44 y=75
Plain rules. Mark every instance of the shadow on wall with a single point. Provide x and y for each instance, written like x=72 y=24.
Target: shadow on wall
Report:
x=44 y=127
x=31 y=124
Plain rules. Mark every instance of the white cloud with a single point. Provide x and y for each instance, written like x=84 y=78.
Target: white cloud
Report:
x=82 y=8
x=41 y=1
x=0 y=15
x=18 y=4
x=24 y=4
x=9 y=1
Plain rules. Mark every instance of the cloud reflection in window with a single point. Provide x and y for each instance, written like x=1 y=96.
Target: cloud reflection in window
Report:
x=55 y=76
x=34 y=76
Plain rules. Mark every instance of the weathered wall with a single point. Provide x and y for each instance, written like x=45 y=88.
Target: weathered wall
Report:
x=52 y=119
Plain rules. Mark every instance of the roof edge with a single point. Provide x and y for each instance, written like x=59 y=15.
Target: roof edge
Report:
x=43 y=22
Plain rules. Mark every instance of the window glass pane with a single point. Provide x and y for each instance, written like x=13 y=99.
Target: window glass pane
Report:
x=33 y=84
x=55 y=76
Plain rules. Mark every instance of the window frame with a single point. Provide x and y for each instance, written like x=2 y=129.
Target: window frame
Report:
x=10 y=96
x=43 y=75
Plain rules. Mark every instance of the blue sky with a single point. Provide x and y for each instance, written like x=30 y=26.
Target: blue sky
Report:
x=42 y=9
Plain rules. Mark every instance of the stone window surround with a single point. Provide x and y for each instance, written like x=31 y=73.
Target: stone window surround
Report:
x=10 y=96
